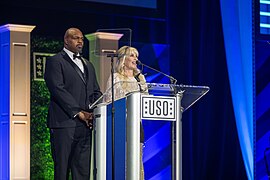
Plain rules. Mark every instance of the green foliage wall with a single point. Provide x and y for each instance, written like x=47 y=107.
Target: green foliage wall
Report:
x=41 y=160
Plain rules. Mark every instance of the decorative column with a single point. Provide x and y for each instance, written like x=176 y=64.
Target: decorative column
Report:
x=15 y=101
x=99 y=44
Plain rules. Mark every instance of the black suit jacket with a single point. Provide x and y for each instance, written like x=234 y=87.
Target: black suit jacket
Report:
x=71 y=90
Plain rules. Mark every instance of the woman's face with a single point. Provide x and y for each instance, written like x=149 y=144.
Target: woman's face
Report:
x=130 y=62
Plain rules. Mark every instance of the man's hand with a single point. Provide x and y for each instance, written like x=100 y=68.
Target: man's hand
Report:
x=86 y=117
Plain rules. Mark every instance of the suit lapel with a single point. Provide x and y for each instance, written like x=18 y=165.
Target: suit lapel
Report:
x=77 y=69
x=85 y=69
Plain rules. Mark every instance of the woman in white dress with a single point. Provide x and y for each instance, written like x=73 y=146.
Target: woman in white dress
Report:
x=127 y=78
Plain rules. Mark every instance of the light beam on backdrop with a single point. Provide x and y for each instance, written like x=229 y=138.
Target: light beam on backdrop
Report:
x=237 y=29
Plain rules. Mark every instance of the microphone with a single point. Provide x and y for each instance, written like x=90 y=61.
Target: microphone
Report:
x=172 y=79
x=137 y=77
x=138 y=80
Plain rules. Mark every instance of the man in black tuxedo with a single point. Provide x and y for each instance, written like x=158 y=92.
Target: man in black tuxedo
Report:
x=72 y=83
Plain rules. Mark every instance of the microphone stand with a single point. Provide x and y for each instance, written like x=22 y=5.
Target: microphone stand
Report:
x=112 y=55
x=172 y=79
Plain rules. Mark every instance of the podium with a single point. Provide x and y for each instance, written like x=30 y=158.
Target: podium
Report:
x=161 y=102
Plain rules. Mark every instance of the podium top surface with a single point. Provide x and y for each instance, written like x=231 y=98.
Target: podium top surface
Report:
x=191 y=94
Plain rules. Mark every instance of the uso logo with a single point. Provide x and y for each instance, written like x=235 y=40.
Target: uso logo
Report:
x=158 y=108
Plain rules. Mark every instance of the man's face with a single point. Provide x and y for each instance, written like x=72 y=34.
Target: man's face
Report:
x=74 y=41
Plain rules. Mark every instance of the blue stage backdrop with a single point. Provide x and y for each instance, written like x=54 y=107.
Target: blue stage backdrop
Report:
x=262 y=110
x=262 y=66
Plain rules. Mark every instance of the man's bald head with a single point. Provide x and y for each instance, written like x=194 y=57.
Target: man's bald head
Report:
x=73 y=40
x=71 y=31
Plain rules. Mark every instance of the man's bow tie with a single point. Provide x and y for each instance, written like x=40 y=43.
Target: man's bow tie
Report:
x=75 y=56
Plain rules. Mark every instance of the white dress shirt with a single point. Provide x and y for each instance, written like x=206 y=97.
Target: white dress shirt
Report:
x=77 y=61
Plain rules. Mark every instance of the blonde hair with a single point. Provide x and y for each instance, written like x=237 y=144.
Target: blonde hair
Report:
x=123 y=52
